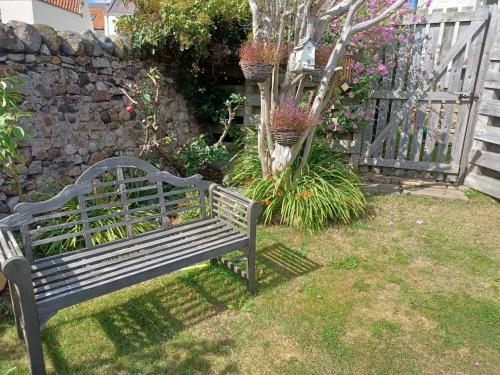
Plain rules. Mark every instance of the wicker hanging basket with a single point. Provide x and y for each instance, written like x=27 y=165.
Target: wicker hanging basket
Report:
x=257 y=72
x=286 y=137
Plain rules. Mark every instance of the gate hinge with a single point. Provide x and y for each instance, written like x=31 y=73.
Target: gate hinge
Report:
x=467 y=96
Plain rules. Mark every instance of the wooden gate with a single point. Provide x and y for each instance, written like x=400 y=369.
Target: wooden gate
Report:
x=423 y=103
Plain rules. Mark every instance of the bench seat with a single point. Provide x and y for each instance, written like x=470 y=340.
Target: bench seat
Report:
x=64 y=280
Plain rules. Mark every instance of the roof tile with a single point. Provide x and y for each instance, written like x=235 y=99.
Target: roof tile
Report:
x=71 y=5
x=97 y=15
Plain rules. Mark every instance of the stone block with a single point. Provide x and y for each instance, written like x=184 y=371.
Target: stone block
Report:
x=59 y=89
x=9 y=41
x=101 y=62
x=30 y=59
x=101 y=96
x=49 y=38
x=28 y=34
x=452 y=193
x=70 y=149
x=35 y=167
x=75 y=171
x=17 y=57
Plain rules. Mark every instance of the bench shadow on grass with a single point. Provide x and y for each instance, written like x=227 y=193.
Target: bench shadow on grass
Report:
x=143 y=329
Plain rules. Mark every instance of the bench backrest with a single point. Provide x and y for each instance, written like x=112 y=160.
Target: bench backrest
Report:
x=114 y=199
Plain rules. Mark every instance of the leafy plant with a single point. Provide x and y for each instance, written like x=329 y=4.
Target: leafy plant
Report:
x=10 y=132
x=245 y=165
x=325 y=191
x=199 y=153
x=145 y=96
x=196 y=38
x=232 y=104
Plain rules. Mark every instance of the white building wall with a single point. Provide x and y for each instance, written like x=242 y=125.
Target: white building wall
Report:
x=35 y=11
x=61 y=19
x=19 y=10
x=444 y=4
x=110 y=25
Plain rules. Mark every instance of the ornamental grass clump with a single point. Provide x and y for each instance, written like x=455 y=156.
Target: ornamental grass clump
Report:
x=326 y=191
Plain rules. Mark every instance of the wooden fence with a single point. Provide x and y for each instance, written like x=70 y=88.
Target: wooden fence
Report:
x=423 y=103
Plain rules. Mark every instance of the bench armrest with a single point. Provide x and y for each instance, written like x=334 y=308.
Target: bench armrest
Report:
x=234 y=208
x=8 y=248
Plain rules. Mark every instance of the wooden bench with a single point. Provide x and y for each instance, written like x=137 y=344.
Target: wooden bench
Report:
x=109 y=198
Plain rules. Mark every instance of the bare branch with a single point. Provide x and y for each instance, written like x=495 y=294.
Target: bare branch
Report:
x=336 y=10
x=329 y=15
x=255 y=17
x=382 y=16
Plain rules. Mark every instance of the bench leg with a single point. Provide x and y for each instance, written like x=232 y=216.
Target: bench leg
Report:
x=18 y=271
x=16 y=307
x=251 y=270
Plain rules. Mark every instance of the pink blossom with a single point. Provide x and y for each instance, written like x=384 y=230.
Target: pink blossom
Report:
x=351 y=95
x=354 y=126
x=382 y=69
x=355 y=80
x=358 y=67
x=370 y=70
x=376 y=57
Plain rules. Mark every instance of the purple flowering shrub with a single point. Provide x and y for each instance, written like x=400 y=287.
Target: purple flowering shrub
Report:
x=347 y=109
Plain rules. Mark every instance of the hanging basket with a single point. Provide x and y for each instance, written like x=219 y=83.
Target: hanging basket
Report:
x=286 y=137
x=257 y=72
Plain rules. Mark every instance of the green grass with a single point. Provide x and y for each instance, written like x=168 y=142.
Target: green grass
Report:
x=383 y=295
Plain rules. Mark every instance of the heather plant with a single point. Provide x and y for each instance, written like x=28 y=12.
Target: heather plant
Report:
x=289 y=116
x=252 y=52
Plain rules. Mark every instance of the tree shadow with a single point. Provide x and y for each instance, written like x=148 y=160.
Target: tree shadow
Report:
x=141 y=327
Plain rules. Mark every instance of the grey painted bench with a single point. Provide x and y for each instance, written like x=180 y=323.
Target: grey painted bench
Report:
x=129 y=191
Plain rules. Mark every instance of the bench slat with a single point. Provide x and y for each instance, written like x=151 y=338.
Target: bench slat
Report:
x=144 y=260
x=119 y=248
x=94 y=230
x=69 y=298
x=163 y=244
x=237 y=207
x=233 y=214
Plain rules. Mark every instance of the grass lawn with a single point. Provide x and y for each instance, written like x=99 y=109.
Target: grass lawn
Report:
x=412 y=288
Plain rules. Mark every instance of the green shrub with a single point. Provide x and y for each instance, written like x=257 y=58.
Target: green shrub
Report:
x=199 y=152
x=326 y=190
x=197 y=38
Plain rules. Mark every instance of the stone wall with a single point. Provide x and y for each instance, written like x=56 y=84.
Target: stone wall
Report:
x=73 y=90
